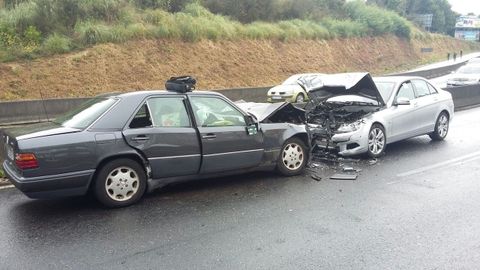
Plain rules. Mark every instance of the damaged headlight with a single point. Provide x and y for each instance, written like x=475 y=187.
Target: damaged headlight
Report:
x=351 y=127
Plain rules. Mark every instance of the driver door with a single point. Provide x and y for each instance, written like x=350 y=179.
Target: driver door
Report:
x=226 y=144
x=404 y=117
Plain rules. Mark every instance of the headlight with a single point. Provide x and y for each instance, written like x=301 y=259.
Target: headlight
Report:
x=351 y=127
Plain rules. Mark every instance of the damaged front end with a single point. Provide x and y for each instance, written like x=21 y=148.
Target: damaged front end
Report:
x=340 y=110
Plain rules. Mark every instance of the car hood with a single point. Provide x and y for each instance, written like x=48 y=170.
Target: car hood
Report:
x=464 y=77
x=287 y=88
x=282 y=112
x=38 y=130
x=343 y=84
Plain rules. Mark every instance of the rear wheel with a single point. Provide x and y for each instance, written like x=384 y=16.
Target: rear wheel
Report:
x=293 y=157
x=119 y=183
x=441 y=127
x=377 y=141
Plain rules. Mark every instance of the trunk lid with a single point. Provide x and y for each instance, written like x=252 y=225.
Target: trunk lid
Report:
x=38 y=130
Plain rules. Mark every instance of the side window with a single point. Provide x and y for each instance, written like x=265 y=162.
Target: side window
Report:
x=168 y=112
x=215 y=112
x=422 y=88
x=142 y=119
x=432 y=89
x=406 y=91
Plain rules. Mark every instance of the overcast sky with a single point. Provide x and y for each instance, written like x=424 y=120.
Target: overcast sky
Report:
x=466 y=6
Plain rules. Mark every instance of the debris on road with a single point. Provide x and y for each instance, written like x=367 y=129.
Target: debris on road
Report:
x=342 y=176
x=373 y=161
x=316 y=177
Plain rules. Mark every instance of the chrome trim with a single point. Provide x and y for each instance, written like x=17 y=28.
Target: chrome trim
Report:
x=172 y=157
x=235 y=152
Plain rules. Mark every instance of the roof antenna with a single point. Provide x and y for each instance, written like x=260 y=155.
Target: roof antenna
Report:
x=43 y=104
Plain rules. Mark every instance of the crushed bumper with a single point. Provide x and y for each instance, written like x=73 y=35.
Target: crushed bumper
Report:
x=51 y=186
x=347 y=144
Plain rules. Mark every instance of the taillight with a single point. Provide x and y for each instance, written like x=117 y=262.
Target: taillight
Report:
x=26 y=161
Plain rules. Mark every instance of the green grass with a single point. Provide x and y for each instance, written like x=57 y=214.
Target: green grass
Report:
x=44 y=27
x=2 y=174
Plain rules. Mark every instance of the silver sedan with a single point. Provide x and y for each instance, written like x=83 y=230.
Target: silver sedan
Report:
x=363 y=115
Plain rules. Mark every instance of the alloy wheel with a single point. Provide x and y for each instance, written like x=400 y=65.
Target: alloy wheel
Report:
x=293 y=156
x=376 y=141
x=442 y=126
x=122 y=184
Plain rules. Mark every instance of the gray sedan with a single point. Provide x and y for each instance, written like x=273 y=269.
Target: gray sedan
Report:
x=120 y=146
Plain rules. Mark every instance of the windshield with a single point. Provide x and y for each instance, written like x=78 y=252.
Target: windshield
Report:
x=469 y=70
x=385 y=89
x=85 y=114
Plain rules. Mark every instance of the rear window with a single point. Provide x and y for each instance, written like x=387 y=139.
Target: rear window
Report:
x=86 y=114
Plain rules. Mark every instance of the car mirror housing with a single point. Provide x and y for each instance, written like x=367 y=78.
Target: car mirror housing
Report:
x=402 y=101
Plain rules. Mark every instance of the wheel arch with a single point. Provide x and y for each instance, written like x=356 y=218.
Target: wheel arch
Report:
x=133 y=156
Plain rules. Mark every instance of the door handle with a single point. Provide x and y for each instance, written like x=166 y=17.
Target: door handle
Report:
x=209 y=136
x=141 y=138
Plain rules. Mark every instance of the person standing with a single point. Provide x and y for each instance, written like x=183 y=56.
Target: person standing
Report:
x=461 y=54
x=454 y=56
x=448 y=56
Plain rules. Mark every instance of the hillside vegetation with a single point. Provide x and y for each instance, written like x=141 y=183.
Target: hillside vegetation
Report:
x=147 y=64
x=32 y=28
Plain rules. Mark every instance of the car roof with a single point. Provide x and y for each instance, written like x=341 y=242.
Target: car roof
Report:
x=146 y=93
x=397 y=79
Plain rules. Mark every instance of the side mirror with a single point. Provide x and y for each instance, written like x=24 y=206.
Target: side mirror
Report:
x=252 y=125
x=402 y=101
x=250 y=120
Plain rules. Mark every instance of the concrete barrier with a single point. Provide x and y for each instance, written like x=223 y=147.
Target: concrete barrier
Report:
x=432 y=73
x=465 y=96
x=34 y=111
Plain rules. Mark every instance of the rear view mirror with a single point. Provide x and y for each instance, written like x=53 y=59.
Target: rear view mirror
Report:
x=402 y=101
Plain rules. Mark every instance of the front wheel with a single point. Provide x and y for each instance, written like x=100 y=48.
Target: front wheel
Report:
x=121 y=182
x=293 y=157
x=300 y=98
x=377 y=141
x=441 y=127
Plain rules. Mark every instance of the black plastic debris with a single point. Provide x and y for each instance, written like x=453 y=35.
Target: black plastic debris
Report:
x=316 y=177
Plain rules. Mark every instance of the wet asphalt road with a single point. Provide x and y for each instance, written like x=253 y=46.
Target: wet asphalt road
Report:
x=417 y=208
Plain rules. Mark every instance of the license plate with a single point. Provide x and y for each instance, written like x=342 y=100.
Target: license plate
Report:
x=277 y=98
x=10 y=154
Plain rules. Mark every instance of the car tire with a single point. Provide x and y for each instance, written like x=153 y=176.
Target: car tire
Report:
x=442 y=126
x=300 y=98
x=119 y=183
x=293 y=157
x=377 y=141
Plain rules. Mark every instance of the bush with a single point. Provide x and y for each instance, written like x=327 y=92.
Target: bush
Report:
x=56 y=43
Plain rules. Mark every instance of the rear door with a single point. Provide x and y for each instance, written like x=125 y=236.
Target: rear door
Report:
x=427 y=106
x=226 y=144
x=164 y=132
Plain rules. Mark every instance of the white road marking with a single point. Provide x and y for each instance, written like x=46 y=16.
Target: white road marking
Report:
x=453 y=161
x=5 y=187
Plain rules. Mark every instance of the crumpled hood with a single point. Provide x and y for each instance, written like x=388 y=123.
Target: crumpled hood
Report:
x=282 y=112
x=327 y=86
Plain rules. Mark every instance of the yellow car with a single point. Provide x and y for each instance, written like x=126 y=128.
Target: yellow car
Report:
x=290 y=90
